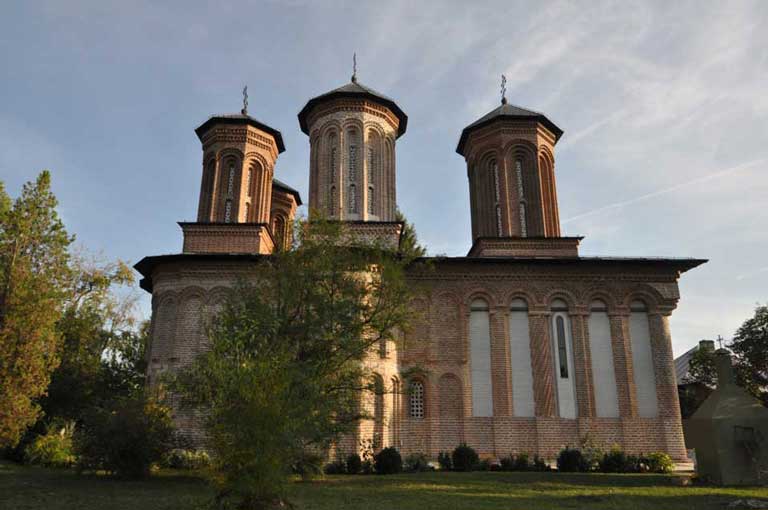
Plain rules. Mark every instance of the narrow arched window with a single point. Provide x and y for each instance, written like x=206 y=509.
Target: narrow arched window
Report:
x=248 y=181
x=370 y=200
x=333 y=200
x=562 y=354
x=642 y=360
x=371 y=164
x=231 y=178
x=228 y=211
x=332 y=158
x=480 y=358
x=416 y=399
x=601 y=352
x=523 y=401
x=352 y=172
x=494 y=167
x=352 y=199
x=521 y=197
x=247 y=212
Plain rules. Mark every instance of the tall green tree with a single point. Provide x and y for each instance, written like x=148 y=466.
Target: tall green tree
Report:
x=33 y=274
x=409 y=242
x=285 y=370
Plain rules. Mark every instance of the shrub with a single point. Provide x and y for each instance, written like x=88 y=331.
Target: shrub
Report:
x=614 y=461
x=181 y=458
x=388 y=461
x=444 y=459
x=52 y=449
x=308 y=465
x=416 y=462
x=485 y=465
x=660 y=462
x=464 y=458
x=571 y=460
x=124 y=438
x=539 y=464
x=520 y=462
x=354 y=464
x=335 y=468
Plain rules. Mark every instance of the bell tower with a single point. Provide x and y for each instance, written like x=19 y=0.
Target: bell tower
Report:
x=235 y=212
x=511 y=171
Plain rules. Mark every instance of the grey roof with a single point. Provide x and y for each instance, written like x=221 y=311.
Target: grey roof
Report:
x=240 y=118
x=280 y=184
x=354 y=89
x=507 y=111
x=682 y=364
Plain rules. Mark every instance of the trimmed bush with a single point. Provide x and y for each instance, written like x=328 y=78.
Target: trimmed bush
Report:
x=125 y=438
x=540 y=464
x=388 y=461
x=519 y=462
x=336 y=467
x=52 y=449
x=416 y=462
x=571 y=460
x=308 y=465
x=354 y=464
x=660 y=462
x=615 y=461
x=464 y=458
x=180 y=458
x=444 y=459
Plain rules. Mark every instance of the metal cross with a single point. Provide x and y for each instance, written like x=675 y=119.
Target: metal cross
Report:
x=354 y=67
x=503 y=89
x=244 y=111
x=720 y=341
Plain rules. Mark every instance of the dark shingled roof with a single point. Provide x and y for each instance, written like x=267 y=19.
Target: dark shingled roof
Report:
x=243 y=119
x=354 y=89
x=283 y=186
x=507 y=111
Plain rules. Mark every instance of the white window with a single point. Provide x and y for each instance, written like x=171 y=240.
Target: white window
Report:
x=416 y=396
x=480 y=358
x=563 y=359
x=601 y=352
x=523 y=402
x=642 y=360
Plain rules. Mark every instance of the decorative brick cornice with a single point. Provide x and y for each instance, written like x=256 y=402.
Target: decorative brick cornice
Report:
x=525 y=247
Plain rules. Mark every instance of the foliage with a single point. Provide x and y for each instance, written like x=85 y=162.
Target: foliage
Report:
x=409 y=243
x=337 y=467
x=464 y=458
x=659 y=462
x=354 y=464
x=416 y=463
x=181 y=458
x=444 y=459
x=102 y=355
x=614 y=461
x=33 y=271
x=54 y=448
x=520 y=462
x=571 y=460
x=299 y=335
x=124 y=438
x=540 y=464
x=388 y=461
x=750 y=357
x=308 y=465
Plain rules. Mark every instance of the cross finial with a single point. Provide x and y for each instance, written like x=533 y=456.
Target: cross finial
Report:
x=244 y=111
x=720 y=341
x=354 y=67
x=503 y=89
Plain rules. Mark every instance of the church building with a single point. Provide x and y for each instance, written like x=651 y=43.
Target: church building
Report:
x=524 y=345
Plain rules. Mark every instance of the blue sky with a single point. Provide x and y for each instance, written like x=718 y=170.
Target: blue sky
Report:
x=663 y=104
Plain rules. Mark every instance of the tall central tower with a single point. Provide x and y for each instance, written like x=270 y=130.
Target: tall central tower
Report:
x=352 y=132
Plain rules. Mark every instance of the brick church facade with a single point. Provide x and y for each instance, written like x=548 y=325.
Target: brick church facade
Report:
x=524 y=345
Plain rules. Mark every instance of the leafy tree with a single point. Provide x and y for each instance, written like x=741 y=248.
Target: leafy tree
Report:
x=409 y=243
x=750 y=357
x=33 y=273
x=100 y=345
x=285 y=369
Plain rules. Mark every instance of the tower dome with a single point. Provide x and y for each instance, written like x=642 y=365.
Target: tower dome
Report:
x=352 y=131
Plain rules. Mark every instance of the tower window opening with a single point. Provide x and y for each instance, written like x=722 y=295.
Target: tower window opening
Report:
x=247 y=211
x=352 y=163
x=370 y=200
x=562 y=351
x=521 y=197
x=332 y=199
x=371 y=159
x=248 y=181
x=332 y=158
x=228 y=211
x=352 y=199
x=231 y=179
x=496 y=195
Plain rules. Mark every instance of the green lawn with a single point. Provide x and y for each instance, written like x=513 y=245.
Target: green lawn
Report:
x=36 y=488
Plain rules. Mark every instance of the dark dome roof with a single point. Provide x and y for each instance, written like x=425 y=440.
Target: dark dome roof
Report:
x=243 y=119
x=507 y=111
x=354 y=89
x=283 y=186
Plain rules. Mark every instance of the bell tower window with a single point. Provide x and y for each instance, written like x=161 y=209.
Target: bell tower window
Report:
x=496 y=195
x=228 y=211
x=352 y=199
x=231 y=178
x=521 y=197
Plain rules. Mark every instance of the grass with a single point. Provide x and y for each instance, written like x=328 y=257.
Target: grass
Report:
x=32 y=488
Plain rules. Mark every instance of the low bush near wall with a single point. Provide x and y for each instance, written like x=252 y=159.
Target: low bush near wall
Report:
x=388 y=461
x=180 y=458
x=416 y=463
x=54 y=448
x=444 y=459
x=613 y=461
x=464 y=458
x=354 y=464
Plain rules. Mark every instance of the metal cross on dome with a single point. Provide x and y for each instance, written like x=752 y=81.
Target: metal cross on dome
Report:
x=244 y=111
x=354 y=67
x=503 y=89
